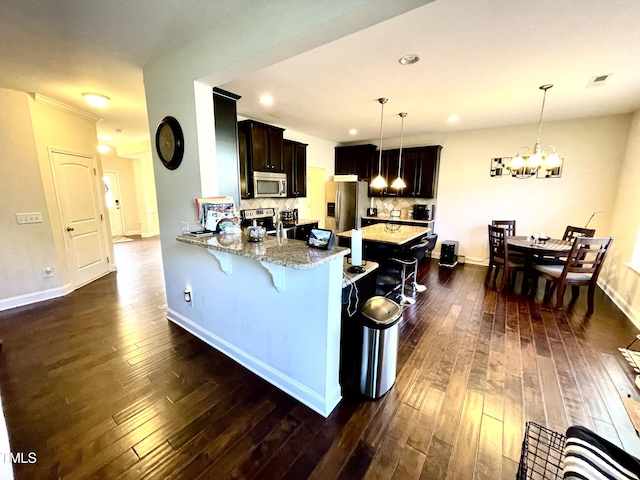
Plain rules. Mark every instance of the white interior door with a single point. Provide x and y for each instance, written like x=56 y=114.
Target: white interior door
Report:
x=77 y=190
x=112 y=202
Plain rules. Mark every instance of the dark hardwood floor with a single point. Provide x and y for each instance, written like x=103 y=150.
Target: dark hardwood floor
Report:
x=100 y=385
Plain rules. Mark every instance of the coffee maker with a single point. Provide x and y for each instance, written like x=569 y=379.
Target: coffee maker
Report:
x=424 y=212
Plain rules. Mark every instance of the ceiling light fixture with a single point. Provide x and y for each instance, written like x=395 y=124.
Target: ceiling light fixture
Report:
x=454 y=118
x=379 y=181
x=525 y=165
x=398 y=182
x=409 y=59
x=266 y=100
x=104 y=148
x=96 y=99
x=353 y=131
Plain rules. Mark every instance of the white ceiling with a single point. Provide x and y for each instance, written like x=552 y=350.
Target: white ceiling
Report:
x=480 y=59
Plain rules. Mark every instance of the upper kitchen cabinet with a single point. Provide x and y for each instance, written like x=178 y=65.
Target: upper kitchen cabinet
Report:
x=419 y=170
x=389 y=170
x=263 y=146
x=354 y=160
x=295 y=164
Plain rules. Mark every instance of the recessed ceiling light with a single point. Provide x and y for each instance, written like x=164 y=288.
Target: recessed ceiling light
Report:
x=96 y=99
x=104 y=149
x=454 y=118
x=266 y=100
x=409 y=59
x=106 y=138
x=353 y=131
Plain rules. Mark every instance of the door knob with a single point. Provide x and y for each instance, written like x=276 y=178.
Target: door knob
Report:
x=69 y=229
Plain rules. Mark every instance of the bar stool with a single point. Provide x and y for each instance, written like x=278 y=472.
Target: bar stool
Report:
x=410 y=258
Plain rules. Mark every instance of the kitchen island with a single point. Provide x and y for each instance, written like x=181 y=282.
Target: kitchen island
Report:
x=273 y=306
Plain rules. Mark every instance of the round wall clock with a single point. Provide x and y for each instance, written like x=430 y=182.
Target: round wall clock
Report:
x=170 y=142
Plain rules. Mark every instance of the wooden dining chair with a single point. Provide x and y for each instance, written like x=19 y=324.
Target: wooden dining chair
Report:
x=572 y=232
x=508 y=225
x=581 y=268
x=499 y=258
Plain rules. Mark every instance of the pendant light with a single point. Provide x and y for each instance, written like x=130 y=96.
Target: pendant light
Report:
x=526 y=165
x=379 y=181
x=398 y=182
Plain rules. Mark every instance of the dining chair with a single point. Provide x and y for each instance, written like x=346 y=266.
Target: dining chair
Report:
x=500 y=258
x=581 y=268
x=508 y=225
x=571 y=232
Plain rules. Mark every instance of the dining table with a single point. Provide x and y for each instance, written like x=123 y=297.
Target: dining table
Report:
x=552 y=249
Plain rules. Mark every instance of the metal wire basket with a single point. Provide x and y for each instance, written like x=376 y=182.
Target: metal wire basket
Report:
x=542 y=453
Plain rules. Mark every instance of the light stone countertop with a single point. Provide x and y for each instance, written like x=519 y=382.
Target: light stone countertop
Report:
x=287 y=252
x=397 y=236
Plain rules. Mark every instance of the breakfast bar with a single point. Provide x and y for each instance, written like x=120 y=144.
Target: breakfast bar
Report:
x=273 y=306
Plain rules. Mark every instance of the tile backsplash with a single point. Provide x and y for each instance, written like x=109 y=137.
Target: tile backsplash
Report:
x=279 y=203
x=405 y=205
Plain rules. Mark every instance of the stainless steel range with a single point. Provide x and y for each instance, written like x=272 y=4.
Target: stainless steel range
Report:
x=265 y=217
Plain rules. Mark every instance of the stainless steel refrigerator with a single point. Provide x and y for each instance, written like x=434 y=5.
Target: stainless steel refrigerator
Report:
x=347 y=203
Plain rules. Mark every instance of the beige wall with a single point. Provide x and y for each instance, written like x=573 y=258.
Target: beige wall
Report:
x=31 y=130
x=469 y=198
x=24 y=249
x=621 y=282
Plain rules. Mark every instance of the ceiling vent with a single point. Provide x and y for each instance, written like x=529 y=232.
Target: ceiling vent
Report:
x=598 y=80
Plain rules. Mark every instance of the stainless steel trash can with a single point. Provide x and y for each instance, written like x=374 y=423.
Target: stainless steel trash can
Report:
x=381 y=318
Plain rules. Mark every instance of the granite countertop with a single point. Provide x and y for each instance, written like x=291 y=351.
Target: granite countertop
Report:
x=386 y=218
x=286 y=252
x=398 y=236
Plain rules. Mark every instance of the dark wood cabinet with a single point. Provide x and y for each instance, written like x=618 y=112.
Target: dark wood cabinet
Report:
x=259 y=149
x=295 y=164
x=389 y=170
x=263 y=145
x=355 y=160
x=419 y=170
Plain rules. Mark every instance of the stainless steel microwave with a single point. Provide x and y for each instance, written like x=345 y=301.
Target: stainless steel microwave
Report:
x=269 y=184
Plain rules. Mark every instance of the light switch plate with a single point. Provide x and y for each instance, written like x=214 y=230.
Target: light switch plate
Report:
x=33 y=217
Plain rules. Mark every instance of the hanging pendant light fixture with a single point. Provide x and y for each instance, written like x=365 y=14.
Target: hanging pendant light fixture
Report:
x=398 y=182
x=379 y=181
x=525 y=165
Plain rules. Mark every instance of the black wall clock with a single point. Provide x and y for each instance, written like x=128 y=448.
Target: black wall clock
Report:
x=170 y=143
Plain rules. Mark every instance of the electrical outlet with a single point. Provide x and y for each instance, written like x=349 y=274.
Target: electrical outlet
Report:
x=185 y=227
x=48 y=271
x=188 y=297
x=24 y=218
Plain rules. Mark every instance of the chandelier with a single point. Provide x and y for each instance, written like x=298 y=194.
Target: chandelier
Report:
x=379 y=181
x=528 y=162
x=398 y=183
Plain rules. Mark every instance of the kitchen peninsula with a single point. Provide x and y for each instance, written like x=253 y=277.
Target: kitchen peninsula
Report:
x=274 y=307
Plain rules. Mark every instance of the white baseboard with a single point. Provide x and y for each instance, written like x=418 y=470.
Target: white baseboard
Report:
x=323 y=406
x=35 y=297
x=622 y=304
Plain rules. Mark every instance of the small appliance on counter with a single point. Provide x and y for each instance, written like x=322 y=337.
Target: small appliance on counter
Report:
x=287 y=215
x=424 y=212
x=372 y=212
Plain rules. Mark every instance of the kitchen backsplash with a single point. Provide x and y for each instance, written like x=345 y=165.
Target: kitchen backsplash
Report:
x=405 y=205
x=279 y=203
